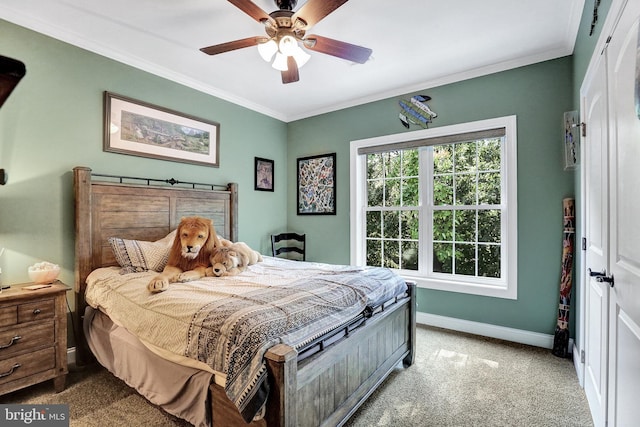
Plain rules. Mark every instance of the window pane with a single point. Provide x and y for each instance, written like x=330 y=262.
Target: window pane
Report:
x=465 y=226
x=443 y=190
x=466 y=189
x=465 y=157
x=442 y=257
x=392 y=164
x=489 y=155
x=442 y=159
x=391 y=254
x=375 y=192
x=409 y=255
x=391 y=227
x=443 y=225
x=374 y=253
x=410 y=162
x=466 y=259
x=374 y=224
x=410 y=192
x=392 y=192
x=374 y=166
x=489 y=188
x=489 y=226
x=409 y=227
x=489 y=260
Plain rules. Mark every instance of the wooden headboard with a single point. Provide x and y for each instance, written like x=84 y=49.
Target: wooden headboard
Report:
x=112 y=206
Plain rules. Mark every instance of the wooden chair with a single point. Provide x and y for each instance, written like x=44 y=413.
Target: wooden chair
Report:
x=289 y=245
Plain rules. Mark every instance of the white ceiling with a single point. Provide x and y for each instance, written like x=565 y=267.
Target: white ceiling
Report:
x=416 y=44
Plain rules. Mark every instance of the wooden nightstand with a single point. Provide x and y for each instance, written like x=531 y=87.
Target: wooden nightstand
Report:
x=33 y=336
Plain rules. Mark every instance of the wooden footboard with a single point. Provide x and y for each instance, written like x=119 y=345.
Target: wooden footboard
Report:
x=327 y=388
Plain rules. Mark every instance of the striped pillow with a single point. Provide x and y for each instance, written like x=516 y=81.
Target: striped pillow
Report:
x=135 y=256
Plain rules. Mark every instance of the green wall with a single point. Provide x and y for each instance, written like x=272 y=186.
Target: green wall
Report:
x=53 y=121
x=538 y=95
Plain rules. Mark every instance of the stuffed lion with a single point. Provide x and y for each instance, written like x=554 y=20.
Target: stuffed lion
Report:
x=232 y=259
x=190 y=254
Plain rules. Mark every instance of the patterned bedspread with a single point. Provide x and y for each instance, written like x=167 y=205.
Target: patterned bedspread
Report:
x=229 y=323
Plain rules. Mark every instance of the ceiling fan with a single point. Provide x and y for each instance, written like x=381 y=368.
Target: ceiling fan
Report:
x=286 y=31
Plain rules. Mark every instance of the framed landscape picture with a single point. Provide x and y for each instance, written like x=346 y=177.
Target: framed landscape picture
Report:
x=317 y=185
x=263 y=174
x=146 y=130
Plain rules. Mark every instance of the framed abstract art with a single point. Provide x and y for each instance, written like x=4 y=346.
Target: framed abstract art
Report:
x=317 y=185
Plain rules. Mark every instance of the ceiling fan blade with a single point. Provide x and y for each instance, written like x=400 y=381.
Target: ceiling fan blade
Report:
x=229 y=46
x=348 y=51
x=253 y=10
x=314 y=10
x=290 y=75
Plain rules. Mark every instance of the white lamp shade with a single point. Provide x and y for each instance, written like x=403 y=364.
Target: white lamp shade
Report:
x=267 y=49
x=280 y=63
x=300 y=56
x=287 y=45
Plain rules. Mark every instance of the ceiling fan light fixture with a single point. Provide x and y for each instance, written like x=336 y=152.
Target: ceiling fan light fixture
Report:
x=287 y=45
x=268 y=49
x=300 y=56
x=280 y=63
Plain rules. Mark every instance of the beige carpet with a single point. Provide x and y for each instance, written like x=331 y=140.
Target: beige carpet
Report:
x=457 y=380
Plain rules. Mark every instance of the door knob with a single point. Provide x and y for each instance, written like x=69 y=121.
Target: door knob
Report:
x=602 y=277
x=606 y=279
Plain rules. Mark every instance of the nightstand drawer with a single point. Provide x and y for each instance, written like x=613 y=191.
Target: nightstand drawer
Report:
x=43 y=309
x=26 y=338
x=28 y=364
x=8 y=315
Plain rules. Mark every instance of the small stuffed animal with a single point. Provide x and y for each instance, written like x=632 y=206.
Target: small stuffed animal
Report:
x=219 y=270
x=247 y=255
x=232 y=259
x=225 y=261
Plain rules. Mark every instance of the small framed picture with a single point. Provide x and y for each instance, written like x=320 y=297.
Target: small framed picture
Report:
x=263 y=174
x=317 y=185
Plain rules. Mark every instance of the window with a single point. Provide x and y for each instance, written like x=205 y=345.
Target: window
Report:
x=439 y=205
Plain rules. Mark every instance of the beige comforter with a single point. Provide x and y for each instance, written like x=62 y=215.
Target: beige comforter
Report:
x=228 y=323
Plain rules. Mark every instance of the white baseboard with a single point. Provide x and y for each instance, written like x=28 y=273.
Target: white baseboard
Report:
x=578 y=364
x=484 y=329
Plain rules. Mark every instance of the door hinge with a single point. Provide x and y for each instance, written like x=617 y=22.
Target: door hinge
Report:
x=583 y=125
x=584 y=243
x=581 y=356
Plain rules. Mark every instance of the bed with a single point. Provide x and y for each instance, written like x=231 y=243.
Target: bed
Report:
x=316 y=378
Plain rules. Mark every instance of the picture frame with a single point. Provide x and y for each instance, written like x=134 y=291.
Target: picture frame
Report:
x=263 y=174
x=316 y=190
x=141 y=129
x=571 y=139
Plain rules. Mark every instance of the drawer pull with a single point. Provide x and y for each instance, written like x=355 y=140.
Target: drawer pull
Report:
x=36 y=311
x=13 y=341
x=13 y=368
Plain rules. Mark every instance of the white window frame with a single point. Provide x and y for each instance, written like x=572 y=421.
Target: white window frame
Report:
x=507 y=285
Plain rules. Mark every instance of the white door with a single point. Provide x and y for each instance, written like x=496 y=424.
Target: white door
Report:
x=596 y=203
x=624 y=108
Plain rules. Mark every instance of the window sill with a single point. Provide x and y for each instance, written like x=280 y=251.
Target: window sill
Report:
x=483 y=289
